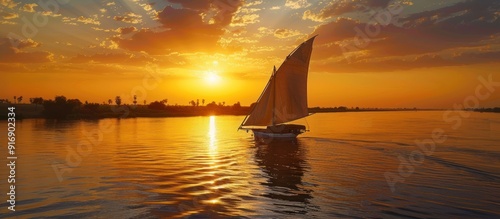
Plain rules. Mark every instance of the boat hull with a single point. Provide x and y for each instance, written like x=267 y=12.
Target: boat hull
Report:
x=284 y=132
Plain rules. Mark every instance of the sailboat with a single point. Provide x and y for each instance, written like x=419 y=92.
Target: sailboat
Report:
x=284 y=98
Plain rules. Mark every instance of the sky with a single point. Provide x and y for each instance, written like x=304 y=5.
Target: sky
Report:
x=368 y=53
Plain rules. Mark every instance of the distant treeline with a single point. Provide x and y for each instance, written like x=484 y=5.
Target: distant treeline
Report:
x=63 y=108
x=356 y=109
x=488 y=110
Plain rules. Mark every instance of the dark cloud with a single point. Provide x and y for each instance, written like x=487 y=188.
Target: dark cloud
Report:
x=395 y=64
x=126 y=30
x=185 y=29
x=11 y=51
x=467 y=24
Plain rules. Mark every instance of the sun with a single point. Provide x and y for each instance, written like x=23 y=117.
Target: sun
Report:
x=212 y=78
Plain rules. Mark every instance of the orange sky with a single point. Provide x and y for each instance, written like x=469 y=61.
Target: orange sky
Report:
x=377 y=53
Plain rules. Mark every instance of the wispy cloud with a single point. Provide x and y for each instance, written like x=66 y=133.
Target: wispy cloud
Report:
x=29 y=7
x=286 y=33
x=8 y=3
x=296 y=4
x=130 y=17
x=8 y=16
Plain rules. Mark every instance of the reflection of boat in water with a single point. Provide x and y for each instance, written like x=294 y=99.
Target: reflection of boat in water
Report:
x=284 y=98
x=284 y=164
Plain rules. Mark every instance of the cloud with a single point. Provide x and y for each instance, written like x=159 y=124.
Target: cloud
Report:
x=108 y=44
x=8 y=3
x=12 y=54
x=253 y=3
x=398 y=64
x=285 y=33
x=425 y=34
x=51 y=14
x=129 y=17
x=245 y=20
x=7 y=22
x=309 y=15
x=336 y=8
x=69 y=20
x=185 y=29
x=29 y=7
x=296 y=4
x=29 y=43
x=94 y=20
x=8 y=16
x=89 y=20
x=126 y=30
x=245 y=16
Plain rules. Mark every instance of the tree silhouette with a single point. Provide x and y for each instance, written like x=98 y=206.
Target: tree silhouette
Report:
x=118 y=100
x=144 y=102
x=157 y=105
x=202 y=101
x=15 y=99
x=19 y=99
x=60 y=108
x=197 y=102
x=36 y=101
x=211 y=105
x=135 y=99
x=110 y=101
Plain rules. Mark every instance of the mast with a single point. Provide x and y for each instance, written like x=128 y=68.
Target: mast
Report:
x=274 y=95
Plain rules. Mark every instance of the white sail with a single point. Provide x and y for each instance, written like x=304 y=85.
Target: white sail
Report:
x=285 y=97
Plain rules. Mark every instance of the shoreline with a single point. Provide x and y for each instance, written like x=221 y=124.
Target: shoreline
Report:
x=31 y=111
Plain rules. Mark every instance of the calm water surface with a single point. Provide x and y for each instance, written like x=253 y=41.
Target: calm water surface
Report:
x=201 y=167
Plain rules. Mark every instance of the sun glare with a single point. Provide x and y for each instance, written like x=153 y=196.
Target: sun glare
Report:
x=212 y=78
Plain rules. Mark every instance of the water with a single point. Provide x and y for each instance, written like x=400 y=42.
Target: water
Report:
x=201 y=167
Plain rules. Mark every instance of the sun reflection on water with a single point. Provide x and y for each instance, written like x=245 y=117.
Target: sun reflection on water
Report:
x=212 y=138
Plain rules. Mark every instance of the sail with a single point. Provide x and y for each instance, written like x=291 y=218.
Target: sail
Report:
x=285 y=97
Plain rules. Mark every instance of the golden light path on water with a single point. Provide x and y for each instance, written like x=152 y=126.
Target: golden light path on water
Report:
x=212 y=142
x=212 y=150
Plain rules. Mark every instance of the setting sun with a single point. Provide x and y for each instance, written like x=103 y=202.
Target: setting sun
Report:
x=212 y=78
